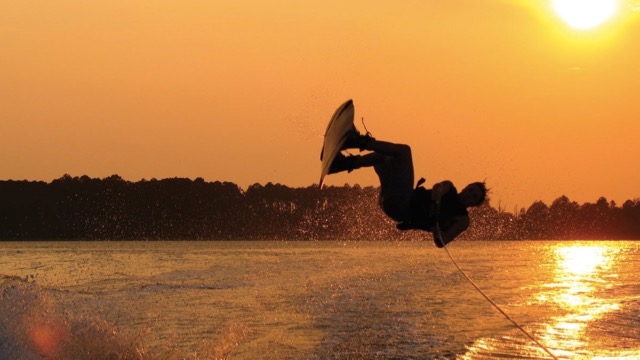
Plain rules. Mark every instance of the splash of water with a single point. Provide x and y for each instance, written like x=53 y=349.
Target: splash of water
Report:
x=35 y=327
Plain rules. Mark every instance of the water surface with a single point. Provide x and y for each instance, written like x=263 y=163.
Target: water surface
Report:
x=317 y=300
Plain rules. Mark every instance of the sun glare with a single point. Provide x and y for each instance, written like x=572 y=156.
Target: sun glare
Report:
x=585 y=14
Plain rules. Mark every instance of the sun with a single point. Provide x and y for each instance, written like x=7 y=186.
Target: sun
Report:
x=585 y=14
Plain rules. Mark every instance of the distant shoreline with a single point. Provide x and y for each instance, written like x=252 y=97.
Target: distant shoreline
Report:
x=175 y=209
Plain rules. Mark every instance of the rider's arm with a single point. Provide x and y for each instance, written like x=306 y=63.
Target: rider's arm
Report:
x=457 y=226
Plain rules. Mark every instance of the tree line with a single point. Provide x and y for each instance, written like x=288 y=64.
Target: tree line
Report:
x=83 y=208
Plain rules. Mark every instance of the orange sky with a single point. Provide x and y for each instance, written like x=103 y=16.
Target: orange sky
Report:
x=242 y=90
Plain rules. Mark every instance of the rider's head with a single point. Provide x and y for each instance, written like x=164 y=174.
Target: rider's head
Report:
x=474 y=194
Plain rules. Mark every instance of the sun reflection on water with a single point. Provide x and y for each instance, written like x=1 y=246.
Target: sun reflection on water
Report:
x=579 y=269
x=581 y=273
x=581 y=259
x=574 y=301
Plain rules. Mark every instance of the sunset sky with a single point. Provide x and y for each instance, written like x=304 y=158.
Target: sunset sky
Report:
x=242 y=90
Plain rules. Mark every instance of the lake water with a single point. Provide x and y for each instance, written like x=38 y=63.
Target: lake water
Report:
x=317 y=300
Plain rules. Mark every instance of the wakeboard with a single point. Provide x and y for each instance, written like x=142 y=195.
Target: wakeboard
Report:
x=338 y=130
